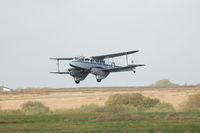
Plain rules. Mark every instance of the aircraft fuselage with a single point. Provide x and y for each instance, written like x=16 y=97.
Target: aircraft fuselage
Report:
x=94 y=68
x=81 y=66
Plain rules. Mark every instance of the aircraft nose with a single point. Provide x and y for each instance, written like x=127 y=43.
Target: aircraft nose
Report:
x=72 y=64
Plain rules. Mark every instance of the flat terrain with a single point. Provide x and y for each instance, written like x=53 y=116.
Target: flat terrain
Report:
x=96 y=122
x=74 y=98
x=89 y=123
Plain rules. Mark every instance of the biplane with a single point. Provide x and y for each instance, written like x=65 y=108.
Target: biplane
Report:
x=82 y=66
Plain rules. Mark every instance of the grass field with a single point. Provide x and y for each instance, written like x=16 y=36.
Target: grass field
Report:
x=71 y=118
x=89 y=123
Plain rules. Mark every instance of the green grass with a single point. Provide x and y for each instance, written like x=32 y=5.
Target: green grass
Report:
x=88 y=123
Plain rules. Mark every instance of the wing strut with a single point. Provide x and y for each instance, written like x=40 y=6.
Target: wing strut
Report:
x=58 y=64
x=127 y=59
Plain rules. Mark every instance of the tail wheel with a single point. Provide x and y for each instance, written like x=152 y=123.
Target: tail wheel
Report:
x=98 y=80
x=77 y=82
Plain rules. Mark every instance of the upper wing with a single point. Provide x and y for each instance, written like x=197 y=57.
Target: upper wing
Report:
x=101 y=57
x=121 y=69
x=61 y=58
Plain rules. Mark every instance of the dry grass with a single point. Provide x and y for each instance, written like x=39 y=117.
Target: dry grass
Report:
x=68 y=99
x=192 y=104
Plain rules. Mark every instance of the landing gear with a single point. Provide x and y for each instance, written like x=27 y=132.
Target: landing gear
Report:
x=77 y=82
x=98 y=80
x=134 y=71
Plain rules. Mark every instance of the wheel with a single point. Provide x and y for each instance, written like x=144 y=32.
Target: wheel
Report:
x=98 y=80
x=77 y=82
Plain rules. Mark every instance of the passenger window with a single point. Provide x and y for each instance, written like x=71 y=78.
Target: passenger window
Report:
x=92 y=60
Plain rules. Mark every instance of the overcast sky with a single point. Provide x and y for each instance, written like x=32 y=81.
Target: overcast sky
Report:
x=167 y=33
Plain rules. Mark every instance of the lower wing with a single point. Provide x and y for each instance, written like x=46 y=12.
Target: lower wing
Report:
x=122 y=69
x=60 y=72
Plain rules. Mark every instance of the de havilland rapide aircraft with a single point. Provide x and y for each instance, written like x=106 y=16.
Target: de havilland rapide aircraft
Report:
x=82 y=66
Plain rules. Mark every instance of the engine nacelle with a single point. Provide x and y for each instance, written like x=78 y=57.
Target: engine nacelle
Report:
x=99 y=73
x=74 y=72
x=78 y=74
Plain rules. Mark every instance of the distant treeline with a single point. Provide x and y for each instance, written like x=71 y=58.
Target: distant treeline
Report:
x=163 y=83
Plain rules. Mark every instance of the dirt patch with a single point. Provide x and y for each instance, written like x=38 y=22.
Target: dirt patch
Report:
x=174 y=116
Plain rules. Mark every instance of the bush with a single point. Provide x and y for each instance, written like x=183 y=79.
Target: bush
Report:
x=120 y=108
x=162 y=107
x=31 y=108
x=192 y=104
x=89 y=108
x=164 y=83
x=10 y=112
x=136 y=100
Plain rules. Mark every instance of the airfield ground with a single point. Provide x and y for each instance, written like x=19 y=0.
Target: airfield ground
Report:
x=89 y=123
x=75 y=97
x=96 y=122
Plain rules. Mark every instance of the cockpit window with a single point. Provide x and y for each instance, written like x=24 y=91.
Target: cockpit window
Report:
x=87 y=59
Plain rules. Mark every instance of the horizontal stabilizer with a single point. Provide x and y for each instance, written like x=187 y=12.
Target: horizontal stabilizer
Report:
x=59 y=72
